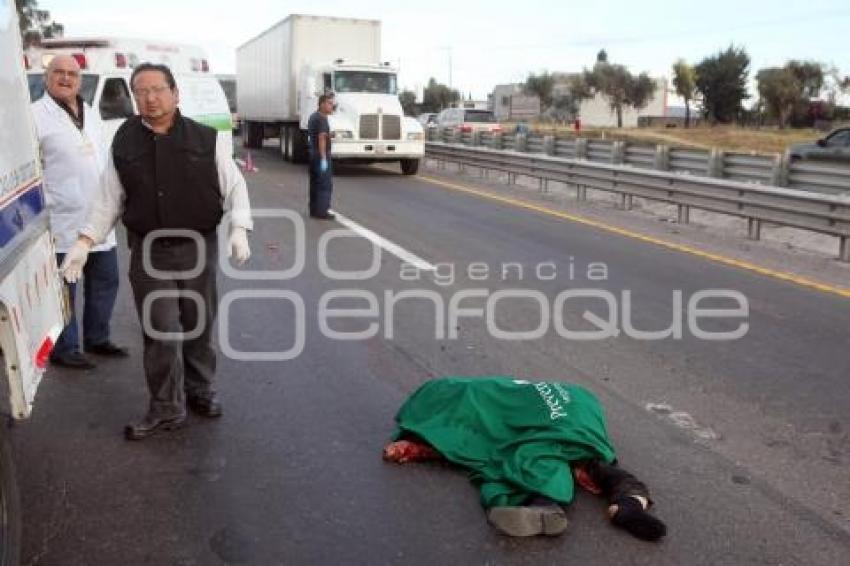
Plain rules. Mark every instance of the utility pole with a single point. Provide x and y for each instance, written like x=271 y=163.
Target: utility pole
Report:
x=449 y=52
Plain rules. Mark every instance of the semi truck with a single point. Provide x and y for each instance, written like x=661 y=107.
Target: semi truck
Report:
x=281 y=73
x=33 y=306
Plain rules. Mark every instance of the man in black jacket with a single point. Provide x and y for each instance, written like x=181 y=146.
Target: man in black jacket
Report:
x=171 y=184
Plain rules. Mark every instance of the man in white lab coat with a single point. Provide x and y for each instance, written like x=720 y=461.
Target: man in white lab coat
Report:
x=73 y=154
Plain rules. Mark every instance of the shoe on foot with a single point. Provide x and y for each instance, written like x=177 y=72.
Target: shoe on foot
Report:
x=631 y=516
x=209 y=407
x=521 y=521
x=109 y=349
x=325 y=216
x=73 y=360
x=149 y=426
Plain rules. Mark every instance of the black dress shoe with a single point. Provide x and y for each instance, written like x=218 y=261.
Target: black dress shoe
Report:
x=325 y=216
x=153 y=425
x=73 y=360
x=108 y=349
x=206 y=407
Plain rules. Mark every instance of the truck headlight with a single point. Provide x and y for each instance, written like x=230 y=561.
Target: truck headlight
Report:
x=415 y=136
x=343 y=134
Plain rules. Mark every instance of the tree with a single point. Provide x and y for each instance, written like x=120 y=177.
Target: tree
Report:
x=780 y=90
x=787 y=91
x=540 y=86
x=685 y=82
x=722 y=82
x=407 y=98
x=36 y=24
x=437 y=96
x=619 y=86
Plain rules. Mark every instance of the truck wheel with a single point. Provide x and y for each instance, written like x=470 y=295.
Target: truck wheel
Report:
x=10 y=505
x=409 y=166
x=299 y=145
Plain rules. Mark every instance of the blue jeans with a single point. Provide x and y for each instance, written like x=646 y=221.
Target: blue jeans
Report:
x=100 y=288
x=321 y=187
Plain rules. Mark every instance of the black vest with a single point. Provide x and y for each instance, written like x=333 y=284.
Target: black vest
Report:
x=170 y=180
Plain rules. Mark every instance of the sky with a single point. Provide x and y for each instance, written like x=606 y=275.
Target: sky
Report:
x=480 y=44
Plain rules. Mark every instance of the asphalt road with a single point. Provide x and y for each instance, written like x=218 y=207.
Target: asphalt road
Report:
x=744 y=443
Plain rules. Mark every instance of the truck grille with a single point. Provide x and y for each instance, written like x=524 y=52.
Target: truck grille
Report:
x=391 y=127
x=369 y=127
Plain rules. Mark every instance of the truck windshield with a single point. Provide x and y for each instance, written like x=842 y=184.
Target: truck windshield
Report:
x=87 y=86
x=364 y=81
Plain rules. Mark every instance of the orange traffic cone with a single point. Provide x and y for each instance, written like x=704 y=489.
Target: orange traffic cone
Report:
x=249 y=163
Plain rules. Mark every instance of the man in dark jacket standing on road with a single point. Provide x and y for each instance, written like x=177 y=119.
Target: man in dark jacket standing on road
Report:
x=171 y=183
x=321 y=170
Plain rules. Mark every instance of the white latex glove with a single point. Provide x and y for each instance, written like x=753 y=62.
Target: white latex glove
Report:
x=237 y=245
x=72 y=265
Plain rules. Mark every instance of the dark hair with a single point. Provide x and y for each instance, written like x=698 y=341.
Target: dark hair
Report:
x=325 y=97
x=169 y=77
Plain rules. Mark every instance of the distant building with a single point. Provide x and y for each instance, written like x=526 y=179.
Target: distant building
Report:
x=510 y=103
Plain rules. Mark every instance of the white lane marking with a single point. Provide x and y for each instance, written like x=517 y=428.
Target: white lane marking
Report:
x=682 y=420
x=379 y=240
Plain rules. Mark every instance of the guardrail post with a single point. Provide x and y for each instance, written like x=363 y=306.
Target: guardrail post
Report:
x=618 y=152
x=684 y=216
x=779 y=173
x=715 y=163
x=476 y=139
x=753 y=229
x=581 y=148
x=844 y=248
x=549 y=145
x=662 y=157
x=521 y=142
x=581 y=193
x=626 y=201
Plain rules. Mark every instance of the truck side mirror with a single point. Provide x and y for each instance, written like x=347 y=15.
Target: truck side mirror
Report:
x=821 y=142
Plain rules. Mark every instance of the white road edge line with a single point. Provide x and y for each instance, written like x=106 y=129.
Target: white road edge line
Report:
x=385 y=244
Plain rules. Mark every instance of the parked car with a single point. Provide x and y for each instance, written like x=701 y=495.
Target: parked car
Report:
x=834 y=147
x=428 y=120
x=469 y=120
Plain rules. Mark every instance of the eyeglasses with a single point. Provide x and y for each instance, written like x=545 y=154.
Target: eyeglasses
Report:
x=154 y=90
x=64 y=73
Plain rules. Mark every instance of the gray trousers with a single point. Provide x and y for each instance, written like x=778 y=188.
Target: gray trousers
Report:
x=176 y=367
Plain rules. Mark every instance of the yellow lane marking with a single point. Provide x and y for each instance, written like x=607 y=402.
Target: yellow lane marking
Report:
x=745 y=265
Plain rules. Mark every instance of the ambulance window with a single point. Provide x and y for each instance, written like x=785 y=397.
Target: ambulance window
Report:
x=87 y=87
x=115 y=102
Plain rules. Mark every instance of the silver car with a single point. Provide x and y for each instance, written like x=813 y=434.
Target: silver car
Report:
x=834 y=147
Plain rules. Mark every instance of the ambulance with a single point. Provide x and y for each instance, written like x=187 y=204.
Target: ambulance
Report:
x=33 y=307
x=107 y=63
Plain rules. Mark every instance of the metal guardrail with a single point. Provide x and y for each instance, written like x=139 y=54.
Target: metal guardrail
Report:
x=759 y=204
x=774 y=170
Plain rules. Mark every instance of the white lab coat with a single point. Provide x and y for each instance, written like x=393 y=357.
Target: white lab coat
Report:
x=73 y=162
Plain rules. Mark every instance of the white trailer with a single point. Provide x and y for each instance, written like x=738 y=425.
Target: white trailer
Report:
x=32 y=301
x=281 y=73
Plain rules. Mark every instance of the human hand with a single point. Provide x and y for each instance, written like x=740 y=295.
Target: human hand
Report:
x=237 y=245
x=323 y=165
x=75 y=260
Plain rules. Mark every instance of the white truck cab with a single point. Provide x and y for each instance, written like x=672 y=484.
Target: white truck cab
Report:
x=108 y=63
x=368 y=122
